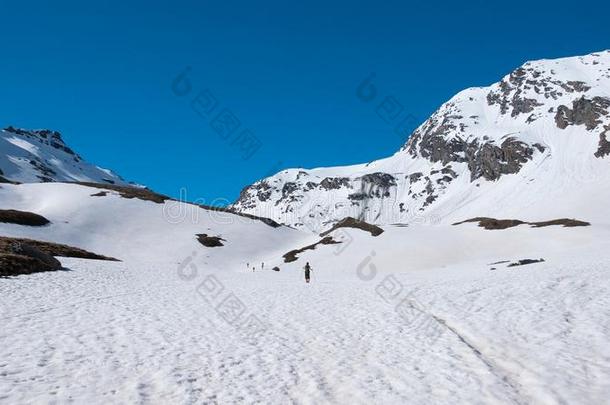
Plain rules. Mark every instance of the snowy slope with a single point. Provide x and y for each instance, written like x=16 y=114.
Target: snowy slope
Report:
x=424 y=313
x=30 y=156
x=538 y=135
x=415 y=315
x=136 y=230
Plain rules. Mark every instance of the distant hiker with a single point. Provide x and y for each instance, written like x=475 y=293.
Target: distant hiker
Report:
x=262 y=265
x=247 y=265
x=307 y=272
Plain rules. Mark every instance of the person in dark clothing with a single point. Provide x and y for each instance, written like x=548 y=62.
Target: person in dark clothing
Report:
x=307 y=272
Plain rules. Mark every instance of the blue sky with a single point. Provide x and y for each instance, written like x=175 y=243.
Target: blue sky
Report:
x=102 y=73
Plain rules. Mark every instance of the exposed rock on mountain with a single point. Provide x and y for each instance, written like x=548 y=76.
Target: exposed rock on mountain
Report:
x=583 y=112
x=604 y=144
x=546 y=120
x=33 y=156
x=354 y=223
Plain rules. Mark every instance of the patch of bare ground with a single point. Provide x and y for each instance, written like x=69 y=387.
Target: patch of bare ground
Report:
x=292 y=256
x=53 y=249
x=350 y=222
x=146 y=194
x=128 y=192
x=26 y=256
x=210 y=241
x=14 y=265
x=524 y=262
x=496 y=224
x=22 y=218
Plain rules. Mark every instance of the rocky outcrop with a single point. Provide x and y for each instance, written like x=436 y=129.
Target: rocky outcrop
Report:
x=261 y=190
x=485 y=159
x=47 y=262
x=583 y=112
x=377 y=185
x=499 y=224
x=22 y=218
x=491 y=161
x=334 y=183
x=604 y=145
x=25 y=256
x=51 y=138
x=510 y=96
x=293 y=255
x=34 y=156
x=210 y=241
x=350 y=222
x=482 y=134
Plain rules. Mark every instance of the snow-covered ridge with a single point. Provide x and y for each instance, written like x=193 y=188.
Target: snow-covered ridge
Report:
x=32 y=156
x=547 y=119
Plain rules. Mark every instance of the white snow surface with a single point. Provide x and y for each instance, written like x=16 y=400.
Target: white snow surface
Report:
x=415 y=315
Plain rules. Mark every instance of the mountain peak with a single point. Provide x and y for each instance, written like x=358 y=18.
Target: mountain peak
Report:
x=41 y=155
x=546 y=115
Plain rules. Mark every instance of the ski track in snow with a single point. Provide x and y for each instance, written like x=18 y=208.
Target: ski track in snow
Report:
x=124 y=333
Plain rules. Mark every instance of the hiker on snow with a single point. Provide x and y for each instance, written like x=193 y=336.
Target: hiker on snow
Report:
x=307 y=272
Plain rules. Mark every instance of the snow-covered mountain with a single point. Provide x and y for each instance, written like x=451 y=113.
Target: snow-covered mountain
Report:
x=444 y=314
x=32 y=156
x=539 y=135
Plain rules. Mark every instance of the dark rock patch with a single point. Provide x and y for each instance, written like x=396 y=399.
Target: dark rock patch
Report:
x=524 y=262
x=26 y=256
x=357 y=196
x=583 y=112
x=491 y=161
x=565 y=222
x=25 y=249
x=260 y=190
x=210 y=241
x=510 y=95
x=350 y=222
x=334 y=183
x=492 y=223
x=53 y=249
x=497 y=224
x=289 y=188
x=22 y=218
x=414 y=177
x=604 y=145
x=100 y=194
x=500 y=262
x=14 y=265
x=128 y=192
x=484 y=158
x=292 y=256
x=382 y=180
